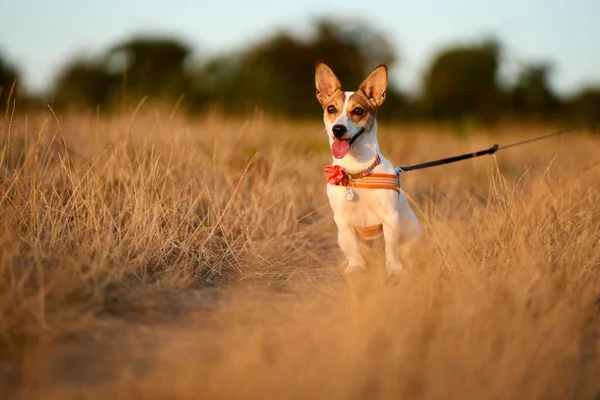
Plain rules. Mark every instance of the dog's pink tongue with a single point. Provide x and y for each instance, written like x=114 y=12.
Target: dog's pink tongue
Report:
x=340 y=148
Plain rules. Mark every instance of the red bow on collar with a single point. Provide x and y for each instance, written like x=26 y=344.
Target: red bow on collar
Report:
x=336 y=175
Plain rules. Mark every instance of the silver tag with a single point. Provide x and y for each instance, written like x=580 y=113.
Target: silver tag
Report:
x=349 y=195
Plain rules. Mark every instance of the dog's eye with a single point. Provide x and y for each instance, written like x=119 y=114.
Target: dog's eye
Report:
x=331 y=109
x=358 y=111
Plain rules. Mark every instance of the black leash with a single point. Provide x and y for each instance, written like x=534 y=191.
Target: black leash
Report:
x=491 y=150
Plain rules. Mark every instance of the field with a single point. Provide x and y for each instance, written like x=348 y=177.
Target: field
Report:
x=153 y=256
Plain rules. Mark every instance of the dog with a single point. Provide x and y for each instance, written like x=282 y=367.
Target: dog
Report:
x=363 y=187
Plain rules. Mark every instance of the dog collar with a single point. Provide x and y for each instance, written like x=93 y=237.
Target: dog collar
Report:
x=364 y=179
x=337 y=175
x=365 y=172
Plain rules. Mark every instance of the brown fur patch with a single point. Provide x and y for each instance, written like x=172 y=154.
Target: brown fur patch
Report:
x=337 y=100
x=359 y=100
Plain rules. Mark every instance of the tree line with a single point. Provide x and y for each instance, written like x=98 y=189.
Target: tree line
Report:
x=276 y=75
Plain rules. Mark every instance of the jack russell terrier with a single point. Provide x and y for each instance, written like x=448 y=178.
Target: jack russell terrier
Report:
x=362 y=185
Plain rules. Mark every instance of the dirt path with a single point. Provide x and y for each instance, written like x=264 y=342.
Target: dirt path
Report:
x=126 y=342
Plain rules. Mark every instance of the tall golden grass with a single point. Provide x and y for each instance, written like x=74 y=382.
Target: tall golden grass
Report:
x=152 y=256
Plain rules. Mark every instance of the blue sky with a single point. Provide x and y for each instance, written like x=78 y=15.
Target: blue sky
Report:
x=41 y=35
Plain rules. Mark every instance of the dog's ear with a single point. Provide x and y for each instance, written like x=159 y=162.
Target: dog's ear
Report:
x=375 y=84
x=326 y=81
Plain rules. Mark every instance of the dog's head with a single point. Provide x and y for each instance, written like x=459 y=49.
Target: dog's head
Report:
x=348 y=115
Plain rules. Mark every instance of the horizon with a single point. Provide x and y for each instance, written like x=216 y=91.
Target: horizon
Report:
x=71 y=31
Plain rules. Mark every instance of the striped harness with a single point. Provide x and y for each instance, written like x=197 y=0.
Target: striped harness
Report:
x=364 y=179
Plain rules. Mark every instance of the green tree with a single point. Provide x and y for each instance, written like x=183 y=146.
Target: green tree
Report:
x=585 y=106
x=8 y=80
x=277 y=74
x=84 y=83
x=532 y=94
x=462 y=81
x=151 y=66
x=143 y=66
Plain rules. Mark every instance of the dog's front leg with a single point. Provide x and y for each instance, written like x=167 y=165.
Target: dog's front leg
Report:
x=391 y=235
x=349 y=244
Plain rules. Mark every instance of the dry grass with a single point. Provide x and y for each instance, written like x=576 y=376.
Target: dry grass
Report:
x=154 y=257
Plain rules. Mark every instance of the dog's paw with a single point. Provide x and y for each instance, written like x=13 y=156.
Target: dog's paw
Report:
x=352 y=268
x=394 y=268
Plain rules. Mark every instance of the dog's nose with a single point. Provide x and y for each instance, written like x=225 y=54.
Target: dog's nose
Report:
x=338 y=130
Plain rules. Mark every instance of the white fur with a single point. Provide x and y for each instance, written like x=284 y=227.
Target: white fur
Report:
x=369 y=206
